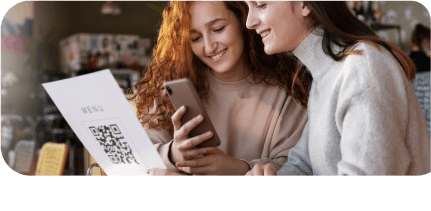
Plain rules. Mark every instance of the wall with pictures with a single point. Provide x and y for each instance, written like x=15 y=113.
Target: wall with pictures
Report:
x=406 y=14
x=59 y=20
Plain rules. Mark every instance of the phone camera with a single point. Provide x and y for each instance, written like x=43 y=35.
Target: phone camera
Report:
x=169 y=90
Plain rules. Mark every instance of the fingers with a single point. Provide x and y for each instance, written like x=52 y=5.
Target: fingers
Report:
x=196 y=170
x=192 y=142
x=188 y=155
x=184 y=150
x=176 y=117
x=258 y=170
x=197 y=162
x=182 y=131
x=190 y=125
x=269 y=169
x=162 y=172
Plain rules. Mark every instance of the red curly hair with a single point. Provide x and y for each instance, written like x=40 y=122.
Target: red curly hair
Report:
x=173 y=58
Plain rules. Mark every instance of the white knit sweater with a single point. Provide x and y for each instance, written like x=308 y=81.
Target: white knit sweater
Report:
x=363 y=116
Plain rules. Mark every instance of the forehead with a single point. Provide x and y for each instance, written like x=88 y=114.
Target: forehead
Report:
x=204 y=11
x=250 y=2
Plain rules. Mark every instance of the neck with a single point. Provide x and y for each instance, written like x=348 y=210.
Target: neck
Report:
x=311 y=54
x=305 y=35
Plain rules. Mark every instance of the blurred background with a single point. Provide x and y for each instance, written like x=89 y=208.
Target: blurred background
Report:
x=48 y=41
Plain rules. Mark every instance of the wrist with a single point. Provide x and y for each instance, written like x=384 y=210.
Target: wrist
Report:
x=242 y=167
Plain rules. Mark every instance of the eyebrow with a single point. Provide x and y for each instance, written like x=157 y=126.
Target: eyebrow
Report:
x=210 y=23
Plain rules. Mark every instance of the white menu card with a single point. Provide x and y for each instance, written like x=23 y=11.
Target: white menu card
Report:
x=98 y=112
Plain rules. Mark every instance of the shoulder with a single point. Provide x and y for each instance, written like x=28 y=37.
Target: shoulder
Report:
x=372 y=54
x=371 y=62
x=374 y=73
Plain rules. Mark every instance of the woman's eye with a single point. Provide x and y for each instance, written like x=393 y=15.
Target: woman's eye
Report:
x=261 y=6
x=195 y=39
x=219 y=29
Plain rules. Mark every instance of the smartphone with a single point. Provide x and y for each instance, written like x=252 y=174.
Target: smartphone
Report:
x=182 y=92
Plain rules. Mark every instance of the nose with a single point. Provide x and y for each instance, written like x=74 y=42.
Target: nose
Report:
x=252 y=22
x=210 y=45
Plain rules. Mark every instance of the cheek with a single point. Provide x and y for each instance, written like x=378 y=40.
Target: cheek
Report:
x=234 y=37
x=195 y=50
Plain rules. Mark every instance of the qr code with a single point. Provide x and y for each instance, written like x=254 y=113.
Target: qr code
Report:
x=112 y=141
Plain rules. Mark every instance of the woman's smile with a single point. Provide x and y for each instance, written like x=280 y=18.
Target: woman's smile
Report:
x=264 y=34
x=218 y=56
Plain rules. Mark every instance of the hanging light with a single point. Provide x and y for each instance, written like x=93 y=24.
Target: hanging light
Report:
x=110 y=8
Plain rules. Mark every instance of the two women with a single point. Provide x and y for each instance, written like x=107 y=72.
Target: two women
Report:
x=364 y=117
x=255 y=101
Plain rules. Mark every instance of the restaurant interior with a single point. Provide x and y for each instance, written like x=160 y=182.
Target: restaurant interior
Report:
x=45 y=41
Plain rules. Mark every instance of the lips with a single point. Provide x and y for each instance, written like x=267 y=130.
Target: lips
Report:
x=215 y=57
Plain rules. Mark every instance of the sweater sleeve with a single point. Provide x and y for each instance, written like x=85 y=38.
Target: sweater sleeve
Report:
x=286 y=134
x=372 y=116
x=373 y=131
x=298 y=162
x=161 y=139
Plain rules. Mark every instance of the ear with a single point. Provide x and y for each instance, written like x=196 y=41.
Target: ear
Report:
x=305 y=9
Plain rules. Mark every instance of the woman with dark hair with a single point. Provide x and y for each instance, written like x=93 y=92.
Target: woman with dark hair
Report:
x=420 y=48
x=363 y=115
x=254 y=100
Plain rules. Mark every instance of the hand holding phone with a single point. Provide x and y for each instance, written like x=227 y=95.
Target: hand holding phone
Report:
x=183 y=147
x=192 y=126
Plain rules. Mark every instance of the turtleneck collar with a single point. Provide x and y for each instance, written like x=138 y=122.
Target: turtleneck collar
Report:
x=229 y=86
x=311 y=54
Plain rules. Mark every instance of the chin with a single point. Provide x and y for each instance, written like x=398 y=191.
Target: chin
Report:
x=219 y=70
x=269 y=50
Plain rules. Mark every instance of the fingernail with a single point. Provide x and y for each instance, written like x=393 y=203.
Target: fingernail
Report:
x=200 y=117
x=183 y=107
x=209 y=133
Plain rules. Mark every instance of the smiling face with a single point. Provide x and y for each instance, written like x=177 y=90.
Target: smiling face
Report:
x=217 y=40
x=282 y=25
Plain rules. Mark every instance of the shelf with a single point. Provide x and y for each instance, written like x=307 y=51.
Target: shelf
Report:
x=378 y=27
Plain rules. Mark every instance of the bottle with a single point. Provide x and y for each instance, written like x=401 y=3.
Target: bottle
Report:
x=369 y=14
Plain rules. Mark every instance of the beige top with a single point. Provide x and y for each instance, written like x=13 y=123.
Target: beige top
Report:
x=256 y=123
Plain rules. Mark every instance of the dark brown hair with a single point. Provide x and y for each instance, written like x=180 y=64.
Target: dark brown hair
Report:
x=420 y=33
x=172 y=58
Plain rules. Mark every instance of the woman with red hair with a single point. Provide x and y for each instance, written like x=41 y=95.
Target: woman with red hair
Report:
x=255 y=101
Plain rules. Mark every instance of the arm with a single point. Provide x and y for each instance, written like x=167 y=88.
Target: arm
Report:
x=373 y=135
x=162 y=141
x=180 y=148
x=286 y=134
x=372 y=116
x=298 y=162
